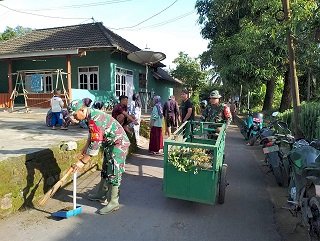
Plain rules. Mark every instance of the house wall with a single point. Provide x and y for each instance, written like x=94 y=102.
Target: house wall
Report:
x=158 y=87
x=93 y=58
x=4 y=77
x=163 y=88
x=120 y=60
x=107 y=62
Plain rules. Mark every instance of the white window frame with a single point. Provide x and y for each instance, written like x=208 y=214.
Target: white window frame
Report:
x=88 y=73
x=122 y=73
x=45 y=83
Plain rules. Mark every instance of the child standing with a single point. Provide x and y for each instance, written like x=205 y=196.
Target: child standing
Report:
x=56 y=104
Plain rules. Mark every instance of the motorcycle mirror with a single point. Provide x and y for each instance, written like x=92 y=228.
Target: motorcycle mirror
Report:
x=274 y=114
x=282 y=125
x=315 y=144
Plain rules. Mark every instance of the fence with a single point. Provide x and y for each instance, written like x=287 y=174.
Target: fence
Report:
x=4 y=100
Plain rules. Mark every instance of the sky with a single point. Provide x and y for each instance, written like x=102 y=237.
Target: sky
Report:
x=167 y=26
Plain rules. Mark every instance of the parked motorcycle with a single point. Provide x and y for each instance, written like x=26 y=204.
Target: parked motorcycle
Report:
x=275 y=147
x=252 y=126
x=304 y=187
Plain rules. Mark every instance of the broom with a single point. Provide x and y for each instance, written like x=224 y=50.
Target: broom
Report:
x=55 y=188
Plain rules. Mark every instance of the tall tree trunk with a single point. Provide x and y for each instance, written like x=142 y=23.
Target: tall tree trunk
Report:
x=286 y=98
x=309 y=85
x=268 y=98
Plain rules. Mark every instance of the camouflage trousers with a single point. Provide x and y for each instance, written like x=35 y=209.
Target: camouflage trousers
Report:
x=114 y=159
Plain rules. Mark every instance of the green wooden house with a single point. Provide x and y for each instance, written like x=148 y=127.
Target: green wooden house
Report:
x=88 y=60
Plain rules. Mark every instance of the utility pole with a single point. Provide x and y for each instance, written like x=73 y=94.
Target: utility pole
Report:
x=240 y=98
x=293 y=72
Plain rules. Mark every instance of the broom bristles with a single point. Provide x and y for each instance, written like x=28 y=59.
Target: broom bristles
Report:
x=55 y=188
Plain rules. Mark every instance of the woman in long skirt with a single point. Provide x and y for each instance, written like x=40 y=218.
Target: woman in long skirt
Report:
x=156 y=138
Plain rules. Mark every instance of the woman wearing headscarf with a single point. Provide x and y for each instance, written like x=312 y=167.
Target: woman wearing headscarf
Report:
x=135 y=110
x=156 y=138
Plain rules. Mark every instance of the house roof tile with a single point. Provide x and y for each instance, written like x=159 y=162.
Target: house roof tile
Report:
x=92 y=35
x=163 y=74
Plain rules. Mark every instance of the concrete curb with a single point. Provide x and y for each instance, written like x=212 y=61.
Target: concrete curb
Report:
x=26 y=178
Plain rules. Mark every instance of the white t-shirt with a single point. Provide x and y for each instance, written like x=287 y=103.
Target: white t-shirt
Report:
x=56 y=104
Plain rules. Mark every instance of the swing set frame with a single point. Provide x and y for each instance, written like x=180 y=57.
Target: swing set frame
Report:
x=19 y=88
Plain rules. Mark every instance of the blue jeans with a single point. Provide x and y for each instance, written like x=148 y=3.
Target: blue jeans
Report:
x=56 y=118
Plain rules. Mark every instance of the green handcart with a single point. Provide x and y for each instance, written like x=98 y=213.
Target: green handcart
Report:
x=196 y=183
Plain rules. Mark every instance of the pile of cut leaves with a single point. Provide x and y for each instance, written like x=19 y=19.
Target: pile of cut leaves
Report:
x=190 y=159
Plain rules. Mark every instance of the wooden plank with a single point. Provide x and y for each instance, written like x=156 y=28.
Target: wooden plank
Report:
x=4 y=100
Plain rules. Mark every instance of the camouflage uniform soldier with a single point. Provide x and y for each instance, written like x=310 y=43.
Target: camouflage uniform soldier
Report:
x=216 y=111
x=104 y=131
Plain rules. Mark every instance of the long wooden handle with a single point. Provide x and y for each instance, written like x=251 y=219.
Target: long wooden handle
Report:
x=66 y=175
x=55 y=188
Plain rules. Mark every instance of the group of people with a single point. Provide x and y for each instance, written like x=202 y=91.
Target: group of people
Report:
x=215 y=111
x=111 y=133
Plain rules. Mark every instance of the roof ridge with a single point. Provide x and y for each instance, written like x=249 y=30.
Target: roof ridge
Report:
x=105 y=33
x=67 y=26
x=41 y=29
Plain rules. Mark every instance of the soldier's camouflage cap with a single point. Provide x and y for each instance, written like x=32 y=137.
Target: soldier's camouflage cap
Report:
x=215 y=94
x=76 y=105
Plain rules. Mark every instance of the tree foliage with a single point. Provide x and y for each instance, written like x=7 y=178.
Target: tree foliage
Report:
x=248 y=42
x=9 y=32
x=189 y=71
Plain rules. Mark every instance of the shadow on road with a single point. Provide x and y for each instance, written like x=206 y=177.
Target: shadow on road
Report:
x=48 y=173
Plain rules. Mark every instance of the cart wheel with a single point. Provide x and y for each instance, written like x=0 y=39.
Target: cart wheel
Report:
x=223 y=184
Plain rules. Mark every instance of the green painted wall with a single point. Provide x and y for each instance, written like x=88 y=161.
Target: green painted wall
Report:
x=120 y=60
x=106 y=61
x=97 y=58
x=163 y=88
x=34 y=64
x=4 y=77
x=40 y=64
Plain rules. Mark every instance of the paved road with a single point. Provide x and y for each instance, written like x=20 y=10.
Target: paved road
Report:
x=146 y=215
x=24 y=133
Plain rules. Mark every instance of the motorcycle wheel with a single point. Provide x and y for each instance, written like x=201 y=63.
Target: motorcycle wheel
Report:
x=243 y=131
x=314 y=222
x=285 y=176
x=277 y=172
x=252 y=140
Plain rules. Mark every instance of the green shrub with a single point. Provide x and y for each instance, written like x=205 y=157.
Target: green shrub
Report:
x=145 y=129
x=309 y=119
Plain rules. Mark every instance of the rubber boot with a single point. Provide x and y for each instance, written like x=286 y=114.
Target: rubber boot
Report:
x=101 y=193
x=108 y=195
x=113 y=205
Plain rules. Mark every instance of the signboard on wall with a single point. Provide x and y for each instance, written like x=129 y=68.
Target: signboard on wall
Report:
x=36 y=83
